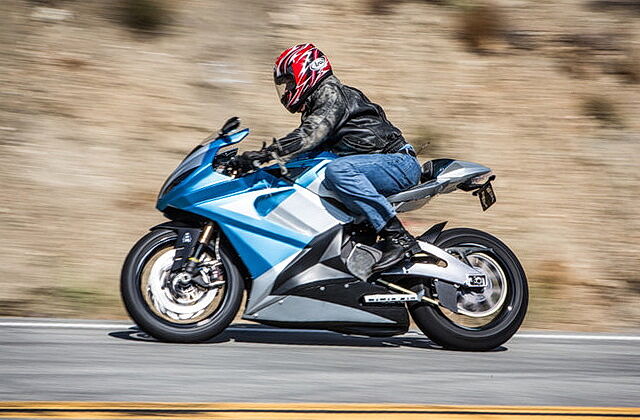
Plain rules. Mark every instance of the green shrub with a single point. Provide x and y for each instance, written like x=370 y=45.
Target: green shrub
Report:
x=383 y=7
x=144 y=15
x=602 y=109
x=480 y=24
x=628 y=68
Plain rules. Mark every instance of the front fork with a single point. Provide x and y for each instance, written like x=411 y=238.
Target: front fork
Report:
x=190 y=244
x=193 y=252
x=187 y=262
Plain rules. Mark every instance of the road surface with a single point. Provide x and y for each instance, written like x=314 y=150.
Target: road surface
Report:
x=55 y=360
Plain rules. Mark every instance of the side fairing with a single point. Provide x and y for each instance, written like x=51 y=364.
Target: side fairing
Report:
x=267 y=219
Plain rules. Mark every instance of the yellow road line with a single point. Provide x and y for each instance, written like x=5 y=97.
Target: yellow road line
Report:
x=236 y=411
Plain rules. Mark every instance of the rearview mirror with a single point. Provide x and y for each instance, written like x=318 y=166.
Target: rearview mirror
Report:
x=231 y=124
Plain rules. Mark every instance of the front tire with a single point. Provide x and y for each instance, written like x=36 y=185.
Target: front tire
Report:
x=177 y=325
x=511 y=305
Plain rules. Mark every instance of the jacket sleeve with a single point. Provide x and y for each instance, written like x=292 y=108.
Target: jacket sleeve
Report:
x=327 y=106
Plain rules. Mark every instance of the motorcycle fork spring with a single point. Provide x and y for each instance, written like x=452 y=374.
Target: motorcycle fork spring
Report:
x=195 y=260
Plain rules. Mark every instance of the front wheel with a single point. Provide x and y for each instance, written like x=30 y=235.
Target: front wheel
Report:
x=170 y=308
x=486 y=318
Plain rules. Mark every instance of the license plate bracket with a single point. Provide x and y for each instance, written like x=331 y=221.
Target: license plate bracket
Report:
x=486 y=195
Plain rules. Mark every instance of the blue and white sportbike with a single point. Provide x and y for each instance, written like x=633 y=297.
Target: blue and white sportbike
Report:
x=304 y=261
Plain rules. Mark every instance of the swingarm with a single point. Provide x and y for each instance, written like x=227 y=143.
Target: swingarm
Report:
x=449 y=272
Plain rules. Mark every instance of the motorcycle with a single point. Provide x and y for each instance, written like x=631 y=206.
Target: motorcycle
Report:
x=278 y=234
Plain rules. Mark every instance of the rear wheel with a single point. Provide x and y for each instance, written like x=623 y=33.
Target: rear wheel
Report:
x=486 y=318
x=172 y=308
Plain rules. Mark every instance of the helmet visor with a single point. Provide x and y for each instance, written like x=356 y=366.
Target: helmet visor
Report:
x=284 y=85
x=281 y=89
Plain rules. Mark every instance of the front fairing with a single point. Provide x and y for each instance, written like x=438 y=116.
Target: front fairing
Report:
x=196 y=166
x=196 y=179
x=266 y=216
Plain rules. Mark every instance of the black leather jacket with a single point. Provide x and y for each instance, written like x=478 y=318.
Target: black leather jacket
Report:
x=342 y=120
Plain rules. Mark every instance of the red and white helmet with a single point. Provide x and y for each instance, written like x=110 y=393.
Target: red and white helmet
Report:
x=297 y=72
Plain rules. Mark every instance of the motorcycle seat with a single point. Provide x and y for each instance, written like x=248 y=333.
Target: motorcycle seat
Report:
x=428 y=186
x=419 y=192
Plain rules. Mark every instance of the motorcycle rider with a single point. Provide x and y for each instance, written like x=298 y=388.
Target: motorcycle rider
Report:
x=374 y=159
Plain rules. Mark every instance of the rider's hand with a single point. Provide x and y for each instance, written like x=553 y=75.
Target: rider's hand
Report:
x=250 y=160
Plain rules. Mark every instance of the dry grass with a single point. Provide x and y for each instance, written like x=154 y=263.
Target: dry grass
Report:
x=427 y=141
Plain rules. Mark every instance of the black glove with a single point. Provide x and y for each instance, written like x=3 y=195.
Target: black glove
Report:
x=250 y=160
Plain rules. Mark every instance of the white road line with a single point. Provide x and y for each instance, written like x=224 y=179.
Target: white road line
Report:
x=108 y=326
x=65 y=325
x=579 y=337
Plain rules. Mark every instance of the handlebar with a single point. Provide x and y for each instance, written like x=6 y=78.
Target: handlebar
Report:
x=237 y=172
x=280 y=162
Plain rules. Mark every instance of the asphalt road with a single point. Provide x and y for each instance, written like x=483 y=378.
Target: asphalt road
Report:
x=49 y=360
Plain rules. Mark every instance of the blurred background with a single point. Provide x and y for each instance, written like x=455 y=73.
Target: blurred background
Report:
x=100 y=100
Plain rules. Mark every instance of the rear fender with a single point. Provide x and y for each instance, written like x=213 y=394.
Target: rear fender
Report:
x=432 y=234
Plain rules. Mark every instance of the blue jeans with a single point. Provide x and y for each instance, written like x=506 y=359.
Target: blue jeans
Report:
x=363 y=181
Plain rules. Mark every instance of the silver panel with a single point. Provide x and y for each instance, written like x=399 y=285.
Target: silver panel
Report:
x=454 y=174
x=261 y=287
x=303 y=211
x=307 y=212
x=263 y=284
x=459 y=171
x=303 y=309
x=407 y=206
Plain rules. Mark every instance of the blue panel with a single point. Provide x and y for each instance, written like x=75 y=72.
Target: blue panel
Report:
x=260 y=243
x=212 y=210
x=259 y=253
x=318 y=161
x=267 y=203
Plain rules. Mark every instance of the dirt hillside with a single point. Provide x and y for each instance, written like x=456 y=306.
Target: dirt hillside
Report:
x=96 y=110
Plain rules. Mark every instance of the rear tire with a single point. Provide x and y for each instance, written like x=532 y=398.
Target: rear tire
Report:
x=162 y=329
x=447 y=333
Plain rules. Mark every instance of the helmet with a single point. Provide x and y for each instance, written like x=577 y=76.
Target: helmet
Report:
x=297 y=72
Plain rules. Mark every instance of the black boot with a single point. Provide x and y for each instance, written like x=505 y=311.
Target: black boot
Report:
x=396 y=244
